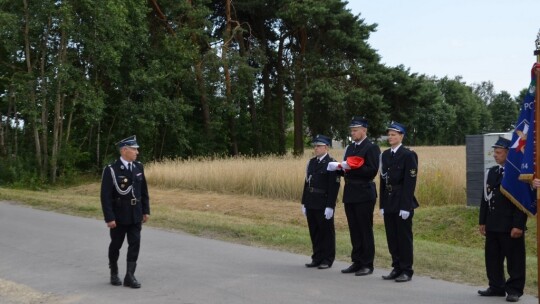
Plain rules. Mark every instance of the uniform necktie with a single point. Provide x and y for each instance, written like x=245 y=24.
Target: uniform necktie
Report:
x=392 y=154
x=501 y=170
x=129 y=166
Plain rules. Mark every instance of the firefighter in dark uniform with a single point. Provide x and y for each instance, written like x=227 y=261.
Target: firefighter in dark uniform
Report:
x=359 y=196
x=399 y=169
x=125 y=204
x=318 y=203
x=503 y=225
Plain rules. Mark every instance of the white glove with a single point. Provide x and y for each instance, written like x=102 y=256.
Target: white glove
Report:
x=345 y=166
x=328 y=213
x=333 y=166
x=381 y=211
x=303 y=209
x=404 y=214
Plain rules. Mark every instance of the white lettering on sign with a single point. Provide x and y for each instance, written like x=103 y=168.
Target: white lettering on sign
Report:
x=529 y=106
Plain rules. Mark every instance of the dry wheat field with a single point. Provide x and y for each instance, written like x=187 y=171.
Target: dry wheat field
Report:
x=441 y=175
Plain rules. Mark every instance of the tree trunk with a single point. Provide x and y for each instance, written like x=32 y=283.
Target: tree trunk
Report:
x=32 y=92
x=58 y=108
x=15 y=134
x=228 y=90
x=256 y=133
x=298 y=95
x=204 y=97
x=201 y=84
x=98 y=141
x=280 y=95
x=70 y=118
x=2 y=135
x=4 y=127
x=11 y=148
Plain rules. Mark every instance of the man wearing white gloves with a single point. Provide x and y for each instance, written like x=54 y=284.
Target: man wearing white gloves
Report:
x=318 y=202
x=399 y=169
x=359 y=167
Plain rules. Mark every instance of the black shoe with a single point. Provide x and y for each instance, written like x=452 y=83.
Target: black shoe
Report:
x=115 y=280
x=491 y=293
x=324 y=265
x=129 y=279
x=363 y=271
x=392 y=275
x=313 y=264
x=512 y=298
x=403 y=278
x=353 y=268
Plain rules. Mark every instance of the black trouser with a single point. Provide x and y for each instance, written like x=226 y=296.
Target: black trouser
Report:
x=360 y=220
x=118 y=234
x=399 y=237
x=323 y=236
x=499 y=245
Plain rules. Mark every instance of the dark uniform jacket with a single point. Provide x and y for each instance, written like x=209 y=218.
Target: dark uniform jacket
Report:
x=124 y=193
x=359 y=185
x=398 y=180
x=321 y=186
x=497 y=212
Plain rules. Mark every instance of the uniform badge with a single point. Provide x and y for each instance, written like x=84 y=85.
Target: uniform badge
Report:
x=125 y=180
x=122 y=186
x=413 y=172
x=122 y=167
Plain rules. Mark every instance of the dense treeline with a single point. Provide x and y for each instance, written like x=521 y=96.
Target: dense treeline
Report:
x=201 y=77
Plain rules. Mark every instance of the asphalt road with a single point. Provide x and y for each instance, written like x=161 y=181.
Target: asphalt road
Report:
x=64 y=259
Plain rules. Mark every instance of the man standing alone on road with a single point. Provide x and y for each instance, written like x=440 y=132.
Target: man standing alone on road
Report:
x=125 y=204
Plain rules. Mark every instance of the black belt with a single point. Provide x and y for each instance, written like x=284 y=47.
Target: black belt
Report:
x=132 y=201
x=391 y=188
x=357 y=181
x=316 y=190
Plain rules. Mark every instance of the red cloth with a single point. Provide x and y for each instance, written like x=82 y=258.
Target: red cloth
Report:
x=355 y=162
x=535 y=66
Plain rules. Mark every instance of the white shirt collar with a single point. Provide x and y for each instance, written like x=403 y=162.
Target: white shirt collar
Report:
x=125 y=162
x=321 y=158
x=395 y=149
x=359 y=142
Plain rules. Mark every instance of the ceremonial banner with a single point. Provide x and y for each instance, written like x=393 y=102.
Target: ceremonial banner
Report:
x=519 y=166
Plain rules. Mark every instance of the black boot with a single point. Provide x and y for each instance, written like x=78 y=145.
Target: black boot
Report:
x=115 y=280
x=129 y=279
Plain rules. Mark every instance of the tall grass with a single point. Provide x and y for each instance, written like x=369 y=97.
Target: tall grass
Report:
x=441 y=175
x=271 y=176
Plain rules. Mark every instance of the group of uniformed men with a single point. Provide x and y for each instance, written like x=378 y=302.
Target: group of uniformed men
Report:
x=362 y=161
x=500 y=221
x=125 y=204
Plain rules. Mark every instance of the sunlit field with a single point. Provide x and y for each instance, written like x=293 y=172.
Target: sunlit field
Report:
x=441 y=175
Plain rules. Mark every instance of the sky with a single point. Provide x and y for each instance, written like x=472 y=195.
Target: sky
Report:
x=480 y=40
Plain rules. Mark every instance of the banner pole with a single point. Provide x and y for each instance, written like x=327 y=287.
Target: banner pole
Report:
x=537 y=155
